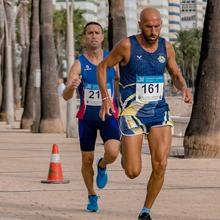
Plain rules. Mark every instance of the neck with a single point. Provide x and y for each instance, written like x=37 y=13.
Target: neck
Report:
x=95 y=55
x=94 y=52
x=151 y=46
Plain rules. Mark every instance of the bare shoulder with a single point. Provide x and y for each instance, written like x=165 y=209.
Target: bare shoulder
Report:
x=126 y=42
x=121 y=51
x=76 y=64
x=170 y=49
x=123 y=44
x=75 y=69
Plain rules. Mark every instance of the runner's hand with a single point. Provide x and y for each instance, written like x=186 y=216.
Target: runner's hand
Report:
x=75 y=83
x=106 y=108
x=187 y=95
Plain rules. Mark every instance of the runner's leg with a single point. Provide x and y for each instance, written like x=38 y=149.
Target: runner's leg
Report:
x=111 y=152
x=159 y=142
x=131 y=154
x=87 y=170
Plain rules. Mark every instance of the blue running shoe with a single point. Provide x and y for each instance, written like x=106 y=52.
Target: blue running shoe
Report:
x=92 y=203
x=102 y=177
x=144 y=216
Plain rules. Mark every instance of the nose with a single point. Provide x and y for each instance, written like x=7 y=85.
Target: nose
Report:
x=153 y=30
x=93 y=35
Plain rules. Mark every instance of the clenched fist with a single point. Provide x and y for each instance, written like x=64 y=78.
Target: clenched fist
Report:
x=75 y=83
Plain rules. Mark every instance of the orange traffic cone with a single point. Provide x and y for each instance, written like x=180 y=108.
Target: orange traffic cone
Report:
x=55 y=174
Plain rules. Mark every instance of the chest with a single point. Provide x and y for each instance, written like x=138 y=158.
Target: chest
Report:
x=143 y=63
x=89 y=74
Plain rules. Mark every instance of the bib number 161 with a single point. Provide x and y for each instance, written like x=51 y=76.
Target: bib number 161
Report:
x=150 y=88
x=146 y=92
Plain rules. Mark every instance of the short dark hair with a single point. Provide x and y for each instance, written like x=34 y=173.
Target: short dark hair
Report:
x=90 y=23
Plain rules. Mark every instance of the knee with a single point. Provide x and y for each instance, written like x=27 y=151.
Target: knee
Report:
x=159 y=168
x=114 y=154
x=87 y=161
x=132 y=173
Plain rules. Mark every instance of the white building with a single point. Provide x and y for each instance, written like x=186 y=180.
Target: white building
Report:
x=174 y=19
x=90 y=7
x=96 y=10
x=204 y=6
x=102 y=15
x=192 y=13
x=131 y=17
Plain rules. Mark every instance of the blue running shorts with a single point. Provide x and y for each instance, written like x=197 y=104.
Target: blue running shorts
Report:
x=131 y=125
x=108 y=129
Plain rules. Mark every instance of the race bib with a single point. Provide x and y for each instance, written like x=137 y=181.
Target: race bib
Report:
x=149 y=88
x=93 y=95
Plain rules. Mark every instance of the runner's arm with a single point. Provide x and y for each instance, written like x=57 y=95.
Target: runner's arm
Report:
x=116 y=56
x=176 y=74
x=117 y=78
x=73 y=81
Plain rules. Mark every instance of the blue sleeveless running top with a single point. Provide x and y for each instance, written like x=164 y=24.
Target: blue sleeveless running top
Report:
x=90 y=96
x=142 y=82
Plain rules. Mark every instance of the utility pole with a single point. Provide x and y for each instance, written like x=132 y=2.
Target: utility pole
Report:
x=9 y=22
x=71 y=124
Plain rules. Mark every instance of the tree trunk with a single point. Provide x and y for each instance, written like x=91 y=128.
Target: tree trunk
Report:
x=24 y=42
x=117 y=22
x=202 y=137
x=16 y=75
x=51 y=119
x=3 y=84
x=71 y=122
x=58 y=44
x=1 y=48
x=2 y=61
x=27 y=116
x=34 y=89
x=9 y=29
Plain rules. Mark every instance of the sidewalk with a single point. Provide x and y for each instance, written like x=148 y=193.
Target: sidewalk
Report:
x=191 y=190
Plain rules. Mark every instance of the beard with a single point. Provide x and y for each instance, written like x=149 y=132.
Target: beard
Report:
x=150 y=39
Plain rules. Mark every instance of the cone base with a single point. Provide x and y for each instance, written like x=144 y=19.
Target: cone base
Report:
x=55 y=182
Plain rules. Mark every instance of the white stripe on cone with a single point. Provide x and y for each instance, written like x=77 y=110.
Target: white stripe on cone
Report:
x=55 y=158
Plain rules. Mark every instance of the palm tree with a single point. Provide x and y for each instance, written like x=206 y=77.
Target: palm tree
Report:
x=50 y=120
x=9 y=29
x=35 y=66
x=188 y=54
x=202 y=137
x=1 y=48
x=117 y=22
x=60 y=33
x=59 y=27
x=23 y=16
x=27 y=75
x=31 y=114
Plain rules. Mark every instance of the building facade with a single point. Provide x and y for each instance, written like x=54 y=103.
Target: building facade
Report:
x=176 y=14
x=192 y=13
x=90 y=7
x=131 y=17
x=174 y=19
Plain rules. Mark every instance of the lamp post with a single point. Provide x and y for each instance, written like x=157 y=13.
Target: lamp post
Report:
x=71 y=124
x=9 y=22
